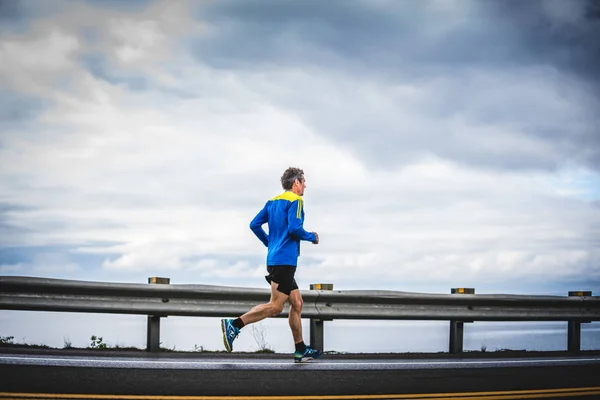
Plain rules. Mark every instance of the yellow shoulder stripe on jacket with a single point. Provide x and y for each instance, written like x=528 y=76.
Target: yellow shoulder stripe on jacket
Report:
x=289 y=196
x=299 y=212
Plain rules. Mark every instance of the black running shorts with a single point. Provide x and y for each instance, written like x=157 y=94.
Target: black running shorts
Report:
x=284 y=276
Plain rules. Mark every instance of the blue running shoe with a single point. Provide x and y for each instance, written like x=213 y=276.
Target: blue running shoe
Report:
x=230 y=332
x=309 y=354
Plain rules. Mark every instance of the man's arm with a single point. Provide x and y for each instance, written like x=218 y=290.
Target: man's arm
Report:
x=295 y=222
x=256 y=225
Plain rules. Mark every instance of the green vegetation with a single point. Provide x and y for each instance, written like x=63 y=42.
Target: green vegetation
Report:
x=198 y=349
x=97 y=343
x=120 y=347
x=265 y=351
x=6 y=340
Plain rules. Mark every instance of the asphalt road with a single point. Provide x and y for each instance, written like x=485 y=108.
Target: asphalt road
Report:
x=396 y=376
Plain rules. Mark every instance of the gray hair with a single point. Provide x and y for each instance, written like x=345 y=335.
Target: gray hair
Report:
x=289 y=177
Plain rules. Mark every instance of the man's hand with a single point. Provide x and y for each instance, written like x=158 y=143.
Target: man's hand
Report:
x=317 y=236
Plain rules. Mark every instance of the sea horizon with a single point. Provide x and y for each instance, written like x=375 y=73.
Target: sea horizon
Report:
x=343 y=336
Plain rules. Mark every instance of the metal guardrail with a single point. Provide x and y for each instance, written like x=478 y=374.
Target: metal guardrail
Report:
x=161 y=300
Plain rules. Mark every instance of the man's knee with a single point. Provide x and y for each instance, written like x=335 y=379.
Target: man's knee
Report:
x=276 y=309
x=297 y=304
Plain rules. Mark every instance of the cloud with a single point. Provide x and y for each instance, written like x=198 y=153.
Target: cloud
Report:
x=493 y=124
x=426 y=37
x=404 y=72
x=101 y=68
x=17 y=109
x=444 y=144
x=18 y=16
x=126 y=6
x=43 y=264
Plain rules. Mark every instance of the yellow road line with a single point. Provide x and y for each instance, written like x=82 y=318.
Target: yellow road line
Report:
x=498 y=395
x=522 y=396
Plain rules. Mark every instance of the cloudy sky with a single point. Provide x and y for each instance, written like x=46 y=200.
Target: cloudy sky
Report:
x=445 y=143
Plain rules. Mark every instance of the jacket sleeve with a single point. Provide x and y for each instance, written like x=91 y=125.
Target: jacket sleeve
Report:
x=295 y=222
x=256 y=225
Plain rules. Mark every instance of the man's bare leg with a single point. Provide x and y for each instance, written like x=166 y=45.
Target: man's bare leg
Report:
x=295 y=318
x=272 y=308
x=303 y=352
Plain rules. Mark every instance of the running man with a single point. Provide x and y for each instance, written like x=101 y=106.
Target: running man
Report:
x=284 y=215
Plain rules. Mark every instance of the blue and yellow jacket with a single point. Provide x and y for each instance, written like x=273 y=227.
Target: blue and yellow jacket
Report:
x=285 y=216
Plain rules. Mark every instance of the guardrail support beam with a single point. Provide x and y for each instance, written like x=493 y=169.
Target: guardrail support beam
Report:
x=153 y=331
x=457 y=327
x=153 y=340
x=456 y=337
x=317 y=330
x=574 y=327
x=316 y=334
x=574 y=336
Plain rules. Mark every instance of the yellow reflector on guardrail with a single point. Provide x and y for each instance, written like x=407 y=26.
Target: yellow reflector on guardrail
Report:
x=580 y=293
x=462 y=290
x=163 y=281
x=321 y=286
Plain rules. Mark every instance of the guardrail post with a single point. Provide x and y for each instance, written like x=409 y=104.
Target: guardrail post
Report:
x=316 y=324
x=574 y=328
x=153 y=341
x=153 y=336
x=457 y=327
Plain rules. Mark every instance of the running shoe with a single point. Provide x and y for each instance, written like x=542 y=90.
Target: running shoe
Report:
x=309 y=354
x=230 y=332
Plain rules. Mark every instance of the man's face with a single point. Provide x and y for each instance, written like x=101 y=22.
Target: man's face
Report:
x=300 y=185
